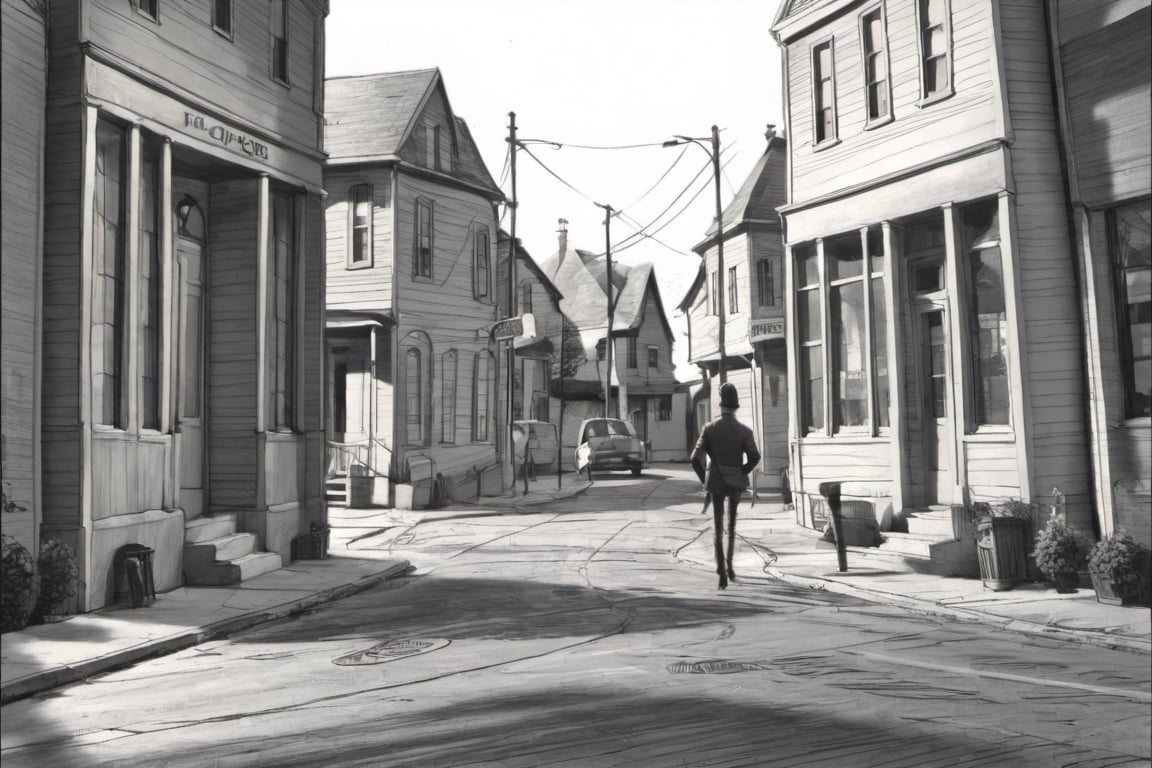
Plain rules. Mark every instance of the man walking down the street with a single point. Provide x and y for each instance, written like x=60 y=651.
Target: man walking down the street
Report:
x=731 y=450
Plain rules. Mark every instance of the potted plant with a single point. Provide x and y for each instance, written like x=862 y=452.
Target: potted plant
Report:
x=1118 y=566
x=59 y=577
x=16 y=596
x=1059 y=554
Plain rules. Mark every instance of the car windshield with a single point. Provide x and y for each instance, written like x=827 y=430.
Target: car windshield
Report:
x=609 y=428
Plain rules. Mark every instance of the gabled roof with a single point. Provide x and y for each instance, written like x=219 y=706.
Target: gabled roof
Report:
x=372 y=115
x=522 y=256
x=582 y=276
x=792 y=7
x=762 y=193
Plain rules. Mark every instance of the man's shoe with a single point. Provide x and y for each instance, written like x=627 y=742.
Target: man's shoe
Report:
x=723 y=581
x=731 y=573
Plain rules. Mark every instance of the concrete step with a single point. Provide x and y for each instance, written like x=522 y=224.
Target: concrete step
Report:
x=209 y=527
x=935 y=522
x=923 y=553
x=229 y=547
x=222 y=574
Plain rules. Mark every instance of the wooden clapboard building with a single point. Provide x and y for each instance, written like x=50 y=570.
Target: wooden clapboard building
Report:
x=183 y=287
x=933 y=356
x=411 y=248
x=753 y=288
x=1103 y=66
x=641 y=377
x=23 y=37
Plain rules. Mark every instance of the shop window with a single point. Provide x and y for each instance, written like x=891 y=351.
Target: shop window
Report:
x=810 y=338
x=1131 y=235
x=222 y=17
x=149 y=287
x=632 y=355
x=844 y=257
x=448 y=397
x=823 y=94
x=988 y=321
x=664 y=408
x=422 y=240
x=482 y=264
x=360 y=207
x=109 y=251
x=282 y=341
x=877 y=263
x=875 y=55
x=934 y=18
x=279 y=34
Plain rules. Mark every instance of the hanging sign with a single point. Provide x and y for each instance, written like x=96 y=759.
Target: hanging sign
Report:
x=515 y=327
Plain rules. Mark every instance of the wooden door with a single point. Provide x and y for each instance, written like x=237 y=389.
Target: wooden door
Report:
x=190 y=365
x=936 y=405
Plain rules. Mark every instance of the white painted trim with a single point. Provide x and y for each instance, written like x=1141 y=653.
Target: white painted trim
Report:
x=825 y=326
x=299 y=312
x=895 y=340
x=167 y=292
x=89 y=119
x=1000 y=109
x=869 y=342
x=1017 y=360
x=262 y=223
x=130 y=390
x=960 y=392
x=791 y=332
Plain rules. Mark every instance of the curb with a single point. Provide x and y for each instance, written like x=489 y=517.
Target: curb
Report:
x=39 y=682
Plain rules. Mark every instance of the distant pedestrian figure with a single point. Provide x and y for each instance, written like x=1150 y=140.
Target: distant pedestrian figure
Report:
x=732 y=453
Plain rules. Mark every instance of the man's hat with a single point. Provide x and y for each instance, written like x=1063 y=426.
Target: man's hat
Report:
x=729 y=398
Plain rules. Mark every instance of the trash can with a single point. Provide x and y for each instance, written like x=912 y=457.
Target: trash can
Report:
x=1001 y=546
x=134 y=567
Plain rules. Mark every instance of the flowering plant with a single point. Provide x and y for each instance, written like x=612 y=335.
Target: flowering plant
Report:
x=1117 y=557
x=1059 y=549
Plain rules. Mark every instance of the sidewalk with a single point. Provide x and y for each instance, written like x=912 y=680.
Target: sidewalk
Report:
x=42 y=657
x=774 y=545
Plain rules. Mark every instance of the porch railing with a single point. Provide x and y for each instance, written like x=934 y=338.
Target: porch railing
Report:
x=343 y=457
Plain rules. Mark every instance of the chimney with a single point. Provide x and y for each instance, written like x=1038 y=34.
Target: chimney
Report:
x=770 y=133
x=563 y=231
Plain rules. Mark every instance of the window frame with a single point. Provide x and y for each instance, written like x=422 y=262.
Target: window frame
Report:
x=482 y=418
x=765 y=282
x=350 y=260
x=432 y=146
x=713 y=290
x=973 y=369
x=449 y=385
x=653 y=356
x=632 y=353
x=482 y=264
x=886 y=116
x=733 y=292
x=817 y=106
x=663 y=408
x=525 y=297
x=813 y=421
x=274 y=52
x=152 y=13
x=150 y=290
x=834 y=299
x=427 y=208
x=282 y=321
x=1122 y=313
x=927 y=98
x=225 y=31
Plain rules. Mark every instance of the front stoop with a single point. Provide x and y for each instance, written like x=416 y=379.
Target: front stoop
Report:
x=216 y=555
x=928 y=546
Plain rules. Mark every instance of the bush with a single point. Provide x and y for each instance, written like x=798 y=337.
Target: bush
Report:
x=16 y=596
x=1117 y=557
x=1059 y=549
x=59 y=576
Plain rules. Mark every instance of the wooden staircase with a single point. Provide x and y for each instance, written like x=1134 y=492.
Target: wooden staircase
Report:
x=216 y=555
x=336 y=490
x=926 y=546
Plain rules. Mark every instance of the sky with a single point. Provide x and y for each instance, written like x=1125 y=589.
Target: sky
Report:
x=592 y=73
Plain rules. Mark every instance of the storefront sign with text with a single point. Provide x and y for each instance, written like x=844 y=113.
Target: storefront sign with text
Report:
x=226 y=137
x=762 y=330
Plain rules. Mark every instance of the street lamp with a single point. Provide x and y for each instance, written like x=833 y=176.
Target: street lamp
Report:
x=714 y=153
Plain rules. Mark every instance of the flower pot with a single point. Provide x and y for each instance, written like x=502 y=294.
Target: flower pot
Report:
x=1129 y=590
x=1001 y=547
x=1066 y=581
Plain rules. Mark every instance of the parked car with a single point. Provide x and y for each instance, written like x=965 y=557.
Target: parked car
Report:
x=541 y=439
x=608 y=444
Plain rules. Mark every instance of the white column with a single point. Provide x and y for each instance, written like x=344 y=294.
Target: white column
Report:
x=959 y=394
x=131 y=386
x=262 y=219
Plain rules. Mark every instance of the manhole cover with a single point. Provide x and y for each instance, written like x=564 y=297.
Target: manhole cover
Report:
x=390 y=651
x=721 y=667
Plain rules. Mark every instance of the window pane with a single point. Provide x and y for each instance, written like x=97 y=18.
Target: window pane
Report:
x=415 y=419
x=989 y=330
x=1132 y=239
x=876 y=249
x=808 y=267
x=192 y=355
x=981 y=223
x=109 y=255
x=448 y=398
x=845 y=259
x=812 y=377
x=880 y=351
x=808 y=315
x=149 y=306
x=851 y=394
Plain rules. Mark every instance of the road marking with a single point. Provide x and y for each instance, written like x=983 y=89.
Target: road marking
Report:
x=1100 y=689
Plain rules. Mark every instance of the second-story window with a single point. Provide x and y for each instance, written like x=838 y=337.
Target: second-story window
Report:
x=823 y=93
x=733 y=293
x=279 y=29
x=149 y=8
x=633 y=361
x=713 y=294
x=765 y=284
x=222 y=17
x=483 y=263
x=525 y=297
x=935 y=45
x=875 y=55
x=653 y=357
x=432 y=146
x=360 y=223
x=422 y=242
x=602 y=349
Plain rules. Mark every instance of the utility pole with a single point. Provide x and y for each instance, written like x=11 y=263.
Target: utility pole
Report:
x=719 y=251
x=608 y=211
x=511 y=363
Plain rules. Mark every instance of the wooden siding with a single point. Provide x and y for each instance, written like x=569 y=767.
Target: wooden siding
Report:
x=363 y=288
x=642 y=379
x=916 y=134
x=435 y=112
x=862 y=465
x=1109 y=102
x=184 y=55
x=128 y=473
x=765 y=244
x=1045 y=267
x=993 y=469
x=231 y=345
x=25 y=75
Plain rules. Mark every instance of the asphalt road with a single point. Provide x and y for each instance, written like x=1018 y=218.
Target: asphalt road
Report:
x=572 y=635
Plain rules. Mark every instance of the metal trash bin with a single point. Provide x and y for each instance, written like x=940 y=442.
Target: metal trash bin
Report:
x=134 y=564
x=1001 y=545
